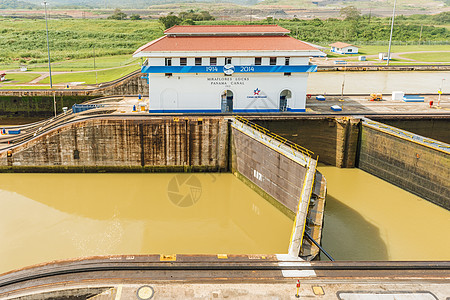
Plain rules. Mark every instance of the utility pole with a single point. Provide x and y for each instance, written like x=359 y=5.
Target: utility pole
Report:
x=420 y=37
x=390 y=39
x=342 y=88
x=93 y=49
x=49 y=63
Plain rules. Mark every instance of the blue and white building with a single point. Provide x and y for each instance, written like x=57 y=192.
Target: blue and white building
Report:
x=231 y=68
x=343 y=48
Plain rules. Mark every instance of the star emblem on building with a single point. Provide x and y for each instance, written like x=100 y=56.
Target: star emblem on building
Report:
x=257 y=91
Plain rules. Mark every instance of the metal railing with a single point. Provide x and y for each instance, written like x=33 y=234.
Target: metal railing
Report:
x=415 y=138
x=275 y=137
x=34 y=129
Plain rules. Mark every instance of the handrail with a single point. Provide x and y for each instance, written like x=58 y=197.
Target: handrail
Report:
x=43 y=125
x=275 y=136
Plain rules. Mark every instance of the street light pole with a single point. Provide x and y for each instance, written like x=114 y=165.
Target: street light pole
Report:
x=390 y=39
x=49 y=63
x=93 y=49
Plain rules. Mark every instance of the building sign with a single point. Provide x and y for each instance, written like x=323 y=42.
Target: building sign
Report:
x=228 y=69
x=257 y=94
x=227 y=80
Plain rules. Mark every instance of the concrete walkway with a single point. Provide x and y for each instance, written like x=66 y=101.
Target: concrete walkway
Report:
x=362 y=105
x=309 y=289
x=225 y=277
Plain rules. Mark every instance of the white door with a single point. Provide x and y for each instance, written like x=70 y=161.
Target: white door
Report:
x=169 y=99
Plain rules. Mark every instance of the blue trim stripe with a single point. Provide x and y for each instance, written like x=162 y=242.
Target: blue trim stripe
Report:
x=184 y=111
x=237 y=69
x=255 y=110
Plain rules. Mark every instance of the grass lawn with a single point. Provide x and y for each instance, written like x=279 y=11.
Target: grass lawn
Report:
x=89 y=77
x=88 y=63
x=9 y=66
x=374 y=50
x=15 y=87
x=102 y=62
x=399 y=63
x=19 y=78
x=431 y=57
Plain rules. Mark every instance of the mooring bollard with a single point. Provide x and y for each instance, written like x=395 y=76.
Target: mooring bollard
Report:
x=431 y=103
x=298 y=289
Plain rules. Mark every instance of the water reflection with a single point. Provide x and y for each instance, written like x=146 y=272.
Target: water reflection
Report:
x=367 y=218
x=358 y=239
x=44 y=217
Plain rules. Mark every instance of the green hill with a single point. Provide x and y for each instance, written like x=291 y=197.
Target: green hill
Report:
x=308 y=4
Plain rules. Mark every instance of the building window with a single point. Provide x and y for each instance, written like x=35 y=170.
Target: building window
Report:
x=183 y=61
x=286 y=61
x=287 y=73
x=198 y=61
x=228 y=60
x=273 y=61
x=168 y=74
x=168 y=62
x=213 y=61
x=349 y=50
x=258 y=61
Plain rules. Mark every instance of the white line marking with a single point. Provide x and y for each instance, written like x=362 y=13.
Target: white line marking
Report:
x=118 y=292
x=286 y=260
x=298 y=273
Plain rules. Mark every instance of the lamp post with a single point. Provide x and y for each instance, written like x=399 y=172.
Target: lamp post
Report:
x=390 y=39
x=49 y=63
x=93 y=49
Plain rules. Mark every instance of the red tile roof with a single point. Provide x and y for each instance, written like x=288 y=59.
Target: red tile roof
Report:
x=341 y=45
x=226 y=29
x=225 y=43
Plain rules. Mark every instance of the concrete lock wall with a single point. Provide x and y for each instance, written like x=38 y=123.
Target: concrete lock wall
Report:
x=276 y=174
x=416 y=164
x=284 y=174
x=434 y=127
x=197 y=144
x=39 y=103
x=335 y=140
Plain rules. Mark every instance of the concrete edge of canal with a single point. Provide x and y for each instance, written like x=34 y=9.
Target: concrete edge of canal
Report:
x=190 y=276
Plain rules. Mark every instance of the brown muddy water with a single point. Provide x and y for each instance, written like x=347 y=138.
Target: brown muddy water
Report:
x=45 y=217
x=367 y=218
